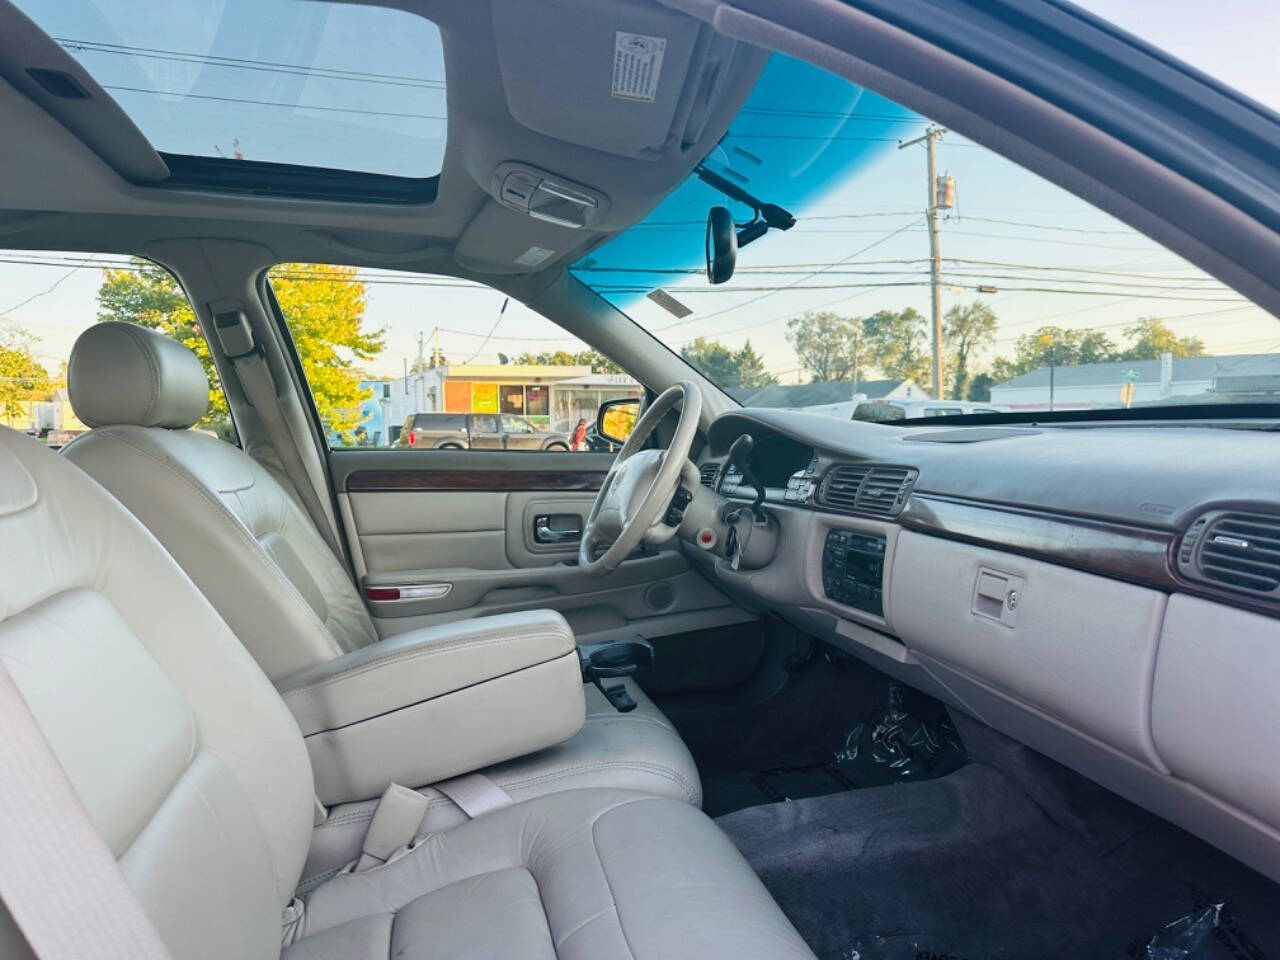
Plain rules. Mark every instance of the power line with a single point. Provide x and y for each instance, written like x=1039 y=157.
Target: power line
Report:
x=1043 y=226
x=738 y=306
x=363 y=111
x=36 y=296
x=270 y=66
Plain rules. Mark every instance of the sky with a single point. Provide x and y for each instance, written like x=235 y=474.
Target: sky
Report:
x=861 y=228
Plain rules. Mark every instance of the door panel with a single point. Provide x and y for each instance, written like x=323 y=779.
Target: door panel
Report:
x=399 y=531
x=463 y=528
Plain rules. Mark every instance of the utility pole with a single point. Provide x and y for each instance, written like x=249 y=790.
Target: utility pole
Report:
x=930 y=139
x=419 y=394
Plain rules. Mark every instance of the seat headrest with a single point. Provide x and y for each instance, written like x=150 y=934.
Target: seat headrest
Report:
x=121 y=373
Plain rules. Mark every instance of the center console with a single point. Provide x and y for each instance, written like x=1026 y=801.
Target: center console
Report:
x=853 y=569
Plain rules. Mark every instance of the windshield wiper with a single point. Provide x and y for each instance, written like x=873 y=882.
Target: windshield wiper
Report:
x=767 y=215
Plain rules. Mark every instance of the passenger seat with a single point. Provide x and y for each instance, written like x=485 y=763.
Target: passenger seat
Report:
x=255 y=554
x=192 y=772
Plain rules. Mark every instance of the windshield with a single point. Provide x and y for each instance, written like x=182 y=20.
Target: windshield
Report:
x=1043 y=302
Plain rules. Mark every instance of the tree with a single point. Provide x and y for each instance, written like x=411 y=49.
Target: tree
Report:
x=22 y=377
x=726 y=367
x=827 y=345
x=324 y=307
x=597 y=361
x=965 y=330
x=751 y=371
x=980 y=389
x=1151 y=338
x=146 y=294
x=1055 y=346
x=896 y=345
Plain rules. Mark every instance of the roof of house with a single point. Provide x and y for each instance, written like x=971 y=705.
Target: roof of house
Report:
x=811 y=394
x=1147 y=371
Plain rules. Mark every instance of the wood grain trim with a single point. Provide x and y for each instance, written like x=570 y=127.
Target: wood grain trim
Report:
x=499 y=481
x=1119 y=551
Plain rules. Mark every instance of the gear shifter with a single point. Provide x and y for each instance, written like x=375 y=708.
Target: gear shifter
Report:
x=620 y=659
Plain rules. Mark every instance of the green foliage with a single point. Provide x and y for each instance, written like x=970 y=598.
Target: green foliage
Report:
x=1057 y=346
x=980 y=388
x=897 y=345
x=324 y=307
x=725 y=367
x=965 y=331
x=146 y=294
x=828 y=345
x=597 y=361
x=1151 y=338
x=22 y=377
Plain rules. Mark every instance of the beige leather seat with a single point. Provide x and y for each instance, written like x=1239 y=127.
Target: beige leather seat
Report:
x=255 y=554
x=193 y=772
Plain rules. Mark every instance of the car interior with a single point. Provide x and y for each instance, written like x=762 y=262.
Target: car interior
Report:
x=700 y=679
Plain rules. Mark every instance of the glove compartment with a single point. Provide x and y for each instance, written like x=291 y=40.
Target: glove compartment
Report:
x=1078 y=647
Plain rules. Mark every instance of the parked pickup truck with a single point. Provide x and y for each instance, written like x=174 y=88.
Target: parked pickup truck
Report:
x=477 y=431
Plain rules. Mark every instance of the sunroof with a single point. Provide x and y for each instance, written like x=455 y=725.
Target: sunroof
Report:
x=333 y=85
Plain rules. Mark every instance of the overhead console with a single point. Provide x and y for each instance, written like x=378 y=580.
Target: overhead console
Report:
x=612 y=104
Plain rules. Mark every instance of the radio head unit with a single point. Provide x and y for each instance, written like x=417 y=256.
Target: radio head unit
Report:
x=853 y=569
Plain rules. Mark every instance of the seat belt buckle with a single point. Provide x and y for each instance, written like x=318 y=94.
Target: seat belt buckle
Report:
x=395 y=823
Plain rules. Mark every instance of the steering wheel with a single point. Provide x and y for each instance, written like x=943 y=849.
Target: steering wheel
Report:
x=638 y=488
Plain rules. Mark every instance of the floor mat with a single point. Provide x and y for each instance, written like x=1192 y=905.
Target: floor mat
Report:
x=903 y=736
x=970 y=867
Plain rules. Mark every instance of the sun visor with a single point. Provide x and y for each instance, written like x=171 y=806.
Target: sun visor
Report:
x=627 y=78
x=499 y=240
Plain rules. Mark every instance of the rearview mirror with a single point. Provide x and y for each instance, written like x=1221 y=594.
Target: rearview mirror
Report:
x=722 y=245
x=617 y=418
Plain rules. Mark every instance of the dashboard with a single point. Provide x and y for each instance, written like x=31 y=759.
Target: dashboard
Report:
x=1109 y=595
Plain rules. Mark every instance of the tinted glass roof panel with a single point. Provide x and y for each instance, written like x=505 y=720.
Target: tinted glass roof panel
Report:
x=301 y=82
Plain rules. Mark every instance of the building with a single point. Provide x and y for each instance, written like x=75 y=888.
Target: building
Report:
x=45 y=415
x=550 y=397
x=834 y=398
x=1137 y=382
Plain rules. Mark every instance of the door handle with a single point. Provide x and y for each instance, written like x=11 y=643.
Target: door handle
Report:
x=543 y=532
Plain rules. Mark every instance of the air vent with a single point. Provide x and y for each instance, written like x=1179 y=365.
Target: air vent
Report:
x=877 y=490
x=707 y=474
x=884 y=490
x=1237 y=550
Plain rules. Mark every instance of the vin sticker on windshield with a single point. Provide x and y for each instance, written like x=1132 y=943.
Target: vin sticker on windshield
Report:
x=637 y=63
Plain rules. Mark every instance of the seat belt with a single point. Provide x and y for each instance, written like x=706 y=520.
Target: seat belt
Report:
x=398 y=815
x=238 y=343
x=475 y=794
x=60 y=882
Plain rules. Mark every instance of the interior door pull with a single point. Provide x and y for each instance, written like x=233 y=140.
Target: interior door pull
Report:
x=544 y=532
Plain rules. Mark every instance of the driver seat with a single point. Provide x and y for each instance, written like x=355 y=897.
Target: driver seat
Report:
x=255 y=554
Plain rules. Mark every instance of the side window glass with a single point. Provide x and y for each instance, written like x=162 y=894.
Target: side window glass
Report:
x=383 y=375
x=50 y=298
x=512 y=424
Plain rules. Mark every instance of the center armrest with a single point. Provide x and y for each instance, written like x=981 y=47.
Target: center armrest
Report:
x=434 y=703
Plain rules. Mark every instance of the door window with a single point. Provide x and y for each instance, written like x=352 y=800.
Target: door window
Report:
x=47 y=299
x=515 y=425
x=373 y=363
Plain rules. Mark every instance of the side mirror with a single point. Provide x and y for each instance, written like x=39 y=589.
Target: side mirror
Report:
x=617 y=418
x=722 y=245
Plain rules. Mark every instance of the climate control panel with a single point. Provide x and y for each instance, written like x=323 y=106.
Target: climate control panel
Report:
x=853 y=569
